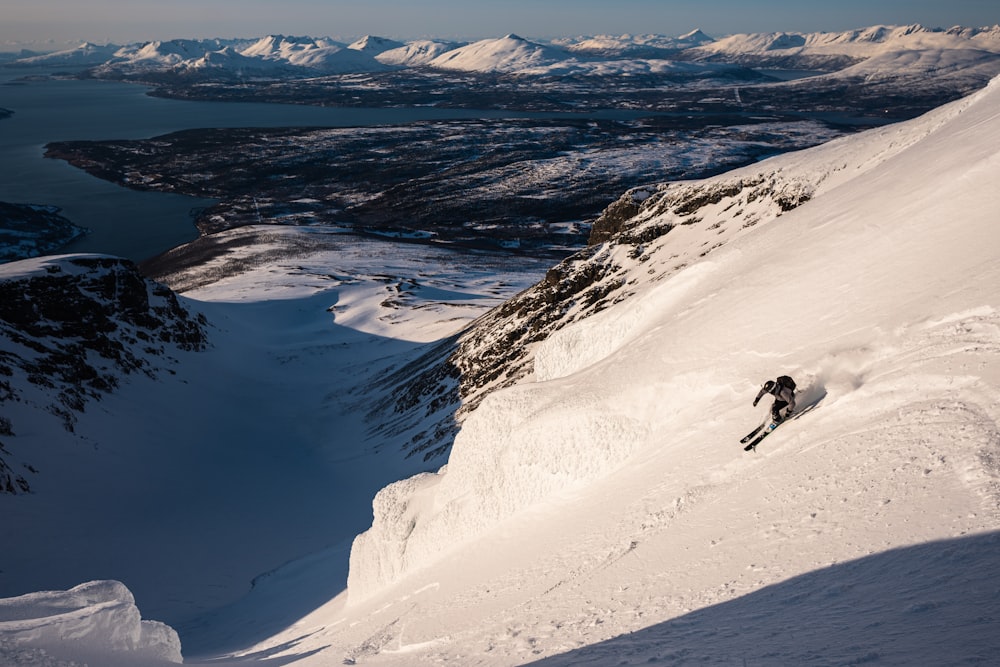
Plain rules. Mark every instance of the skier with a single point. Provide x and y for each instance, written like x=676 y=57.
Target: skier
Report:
x=783 y=390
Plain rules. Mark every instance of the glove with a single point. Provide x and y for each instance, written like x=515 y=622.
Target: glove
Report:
x=755 y=402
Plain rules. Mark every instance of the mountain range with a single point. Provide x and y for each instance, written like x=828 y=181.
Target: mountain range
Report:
x=511 y=54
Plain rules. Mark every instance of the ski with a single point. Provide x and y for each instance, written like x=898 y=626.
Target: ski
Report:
x=749 y=436
x=756 y=441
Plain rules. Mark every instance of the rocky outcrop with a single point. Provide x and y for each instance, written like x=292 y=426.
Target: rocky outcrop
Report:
x=497 y=349
x=71 y=328
x=31 y=230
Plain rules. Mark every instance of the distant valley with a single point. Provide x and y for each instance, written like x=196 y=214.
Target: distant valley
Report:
x=588 y=119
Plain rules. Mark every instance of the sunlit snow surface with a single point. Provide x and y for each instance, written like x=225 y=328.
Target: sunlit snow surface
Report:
x=604 y=512
x=610 y=495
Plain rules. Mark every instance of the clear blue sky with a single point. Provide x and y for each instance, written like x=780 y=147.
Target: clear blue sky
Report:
x=122 y=21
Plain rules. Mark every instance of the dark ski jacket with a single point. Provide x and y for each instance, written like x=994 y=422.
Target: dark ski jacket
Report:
x=780 y=393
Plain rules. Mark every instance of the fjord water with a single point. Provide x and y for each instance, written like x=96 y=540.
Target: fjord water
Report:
x=128 y=223
x=139 y=225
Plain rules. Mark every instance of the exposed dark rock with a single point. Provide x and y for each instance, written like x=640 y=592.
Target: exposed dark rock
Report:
x=497 y=349
x=614 y=216
x=33 y=230
x=73 y=327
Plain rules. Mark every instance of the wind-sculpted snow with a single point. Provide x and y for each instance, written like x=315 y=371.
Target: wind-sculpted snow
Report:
x=824 y=264
x=97 y=622
x=521 y=447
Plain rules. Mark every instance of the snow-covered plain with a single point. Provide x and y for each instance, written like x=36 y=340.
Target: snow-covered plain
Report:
x=603 y=512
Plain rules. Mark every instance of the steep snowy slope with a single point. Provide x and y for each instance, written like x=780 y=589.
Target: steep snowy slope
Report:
x=505 y=54
x=72 y=330
x=190 y=446
x=609 y=495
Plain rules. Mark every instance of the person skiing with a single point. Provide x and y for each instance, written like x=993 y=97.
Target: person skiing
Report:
x=783 y=390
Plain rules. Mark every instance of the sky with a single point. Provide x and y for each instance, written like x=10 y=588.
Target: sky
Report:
x=37 y=23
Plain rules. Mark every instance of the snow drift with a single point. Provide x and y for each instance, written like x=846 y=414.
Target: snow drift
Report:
x=878 y=295
x=97 y=621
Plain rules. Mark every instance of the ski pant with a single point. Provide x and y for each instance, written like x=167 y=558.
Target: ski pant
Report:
x=776 y=409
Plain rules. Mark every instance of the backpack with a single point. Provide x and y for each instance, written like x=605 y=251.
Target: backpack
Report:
x=786 y=381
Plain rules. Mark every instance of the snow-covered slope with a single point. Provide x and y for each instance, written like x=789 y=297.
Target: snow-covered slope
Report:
x=835 y=50
x=71 y=329
x=86 y=55
x=415 y=54
x=609 y=493
x=634 y=46
x=374 y=45
x=189 y=446
x=506 y=54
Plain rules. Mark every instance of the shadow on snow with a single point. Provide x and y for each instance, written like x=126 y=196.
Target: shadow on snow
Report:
x=931 y=604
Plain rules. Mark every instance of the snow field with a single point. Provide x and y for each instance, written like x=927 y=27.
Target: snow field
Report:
x=879 y=296
x=687 y=525
x=262 y=449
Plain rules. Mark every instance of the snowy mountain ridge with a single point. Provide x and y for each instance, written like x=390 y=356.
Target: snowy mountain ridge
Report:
x=839 y=50
x=601 y=55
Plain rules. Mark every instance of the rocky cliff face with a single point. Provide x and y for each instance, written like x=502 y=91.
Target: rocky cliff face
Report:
x=691 y=219
x=71 y=327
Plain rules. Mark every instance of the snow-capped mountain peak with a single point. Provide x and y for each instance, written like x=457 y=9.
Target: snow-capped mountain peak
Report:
x=508 y=53
x=696 y=36
x=375 y=45
x=603 y=55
